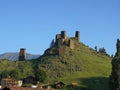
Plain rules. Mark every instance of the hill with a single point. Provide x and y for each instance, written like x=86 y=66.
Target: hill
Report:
x=80 y=64
x=13 y=56
x=67 y=60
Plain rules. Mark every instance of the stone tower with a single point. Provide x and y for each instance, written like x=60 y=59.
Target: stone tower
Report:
x=77 y=35
x=118 y=47
x=71 y=44
x=63 y=35
x=22 y=54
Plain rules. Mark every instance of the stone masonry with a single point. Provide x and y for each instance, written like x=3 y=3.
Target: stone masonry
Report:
x=71 y=44
x=62 y=40
x=77 y=35
x=22 y=54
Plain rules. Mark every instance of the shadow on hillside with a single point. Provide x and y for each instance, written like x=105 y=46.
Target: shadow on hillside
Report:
x=95 y=83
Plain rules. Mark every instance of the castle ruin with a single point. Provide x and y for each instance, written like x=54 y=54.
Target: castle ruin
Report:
x=61 y=41
x=22 y=54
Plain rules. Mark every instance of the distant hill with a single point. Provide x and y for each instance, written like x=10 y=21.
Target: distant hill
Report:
x=13 y=56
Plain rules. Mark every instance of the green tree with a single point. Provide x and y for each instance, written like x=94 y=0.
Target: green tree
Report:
x=102 y=50
x=95 y=48
x=115 y=75
x=25 y=69
x=52 y=43
x=41 y=75
x=5 y=74
x=16 y=74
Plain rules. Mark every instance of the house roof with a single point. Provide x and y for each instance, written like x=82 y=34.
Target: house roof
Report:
x=23 y=88
x=9 y=79
x=61 y=83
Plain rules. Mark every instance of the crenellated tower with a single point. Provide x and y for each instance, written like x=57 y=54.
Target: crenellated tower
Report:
x=63 y=35
x=77 y=35
x=61 y=41
x=60 y=38
x=22 y=54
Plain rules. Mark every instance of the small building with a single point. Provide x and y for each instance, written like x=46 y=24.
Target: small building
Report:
x=21 y=88
x=59 y=85
x=30 y=80
x=9 y=82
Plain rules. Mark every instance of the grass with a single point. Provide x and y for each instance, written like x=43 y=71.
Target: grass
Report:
x=81 y=65
x=94 y=72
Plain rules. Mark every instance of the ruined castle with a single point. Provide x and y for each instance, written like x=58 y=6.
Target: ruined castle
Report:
x=61 y=40
x=22 y=54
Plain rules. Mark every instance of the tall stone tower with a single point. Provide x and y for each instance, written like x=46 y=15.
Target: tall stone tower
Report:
x=63 y=35
x=77 y=35
x=118 y=47
x=22 y=54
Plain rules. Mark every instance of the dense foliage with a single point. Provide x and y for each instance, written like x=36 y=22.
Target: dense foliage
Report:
x=21 y=70
x=115 y=75
x=40 y=75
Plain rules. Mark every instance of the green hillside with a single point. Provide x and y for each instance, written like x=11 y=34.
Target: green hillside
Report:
x=81 y=65
x=67 y=60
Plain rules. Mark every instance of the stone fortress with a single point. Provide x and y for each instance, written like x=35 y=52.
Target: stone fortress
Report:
x=61 y=40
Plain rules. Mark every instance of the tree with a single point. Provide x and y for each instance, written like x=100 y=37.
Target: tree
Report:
x=41 y=75
x=16 y=74
x=95 y=48
x=115 y=74
x=5 y=74
x=102 y=50
x=52 y=43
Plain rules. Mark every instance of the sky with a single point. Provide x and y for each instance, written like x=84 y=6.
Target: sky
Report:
x=33 y=24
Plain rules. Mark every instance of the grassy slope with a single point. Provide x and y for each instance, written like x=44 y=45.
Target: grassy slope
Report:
x=92 y=70
x=81 y=65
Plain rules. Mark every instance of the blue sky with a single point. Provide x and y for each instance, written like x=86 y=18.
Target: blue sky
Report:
x=32 y=24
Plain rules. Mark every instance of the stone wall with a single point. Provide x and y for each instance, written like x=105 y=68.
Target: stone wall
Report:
x=61 y=50
x=71 y=44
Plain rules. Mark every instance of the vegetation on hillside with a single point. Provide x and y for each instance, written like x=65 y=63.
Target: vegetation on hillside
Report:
x=82 y=65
